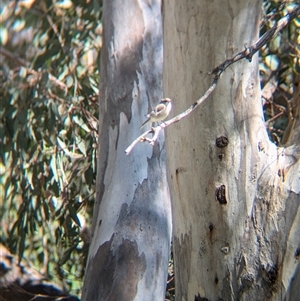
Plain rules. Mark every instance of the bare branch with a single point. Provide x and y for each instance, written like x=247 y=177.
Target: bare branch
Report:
x=14 y=58
x=21 y=62
x=263 y=40
x=194 y=105
x=54 y=27
x=56 y=82
x=142 y=138
x=246 y=54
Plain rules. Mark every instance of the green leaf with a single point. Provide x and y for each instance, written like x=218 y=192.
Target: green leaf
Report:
x=54 y=168
x=21 y=244
x=67 y=255
x=73 y=215
x=80 y=122
x=67 y=152
x=62 y=144
x=46 y=210
x=69 y=81
x=81 y=144
x=89 y=176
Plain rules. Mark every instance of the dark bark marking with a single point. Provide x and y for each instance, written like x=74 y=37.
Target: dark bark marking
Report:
x=114 y=275
x=221 y=195
x=202 y=248
x=225 y=250
x=297 y=253
x=184 y=246
x=222 y=142
x=180 y=170
x=199 y=298
x=221 y=156
x=211 y=228
x=247 y=280
x=270 y=273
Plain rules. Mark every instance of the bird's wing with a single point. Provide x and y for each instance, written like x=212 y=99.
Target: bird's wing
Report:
x=159 y=108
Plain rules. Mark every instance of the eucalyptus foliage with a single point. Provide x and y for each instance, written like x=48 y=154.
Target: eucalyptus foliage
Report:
x=48 y=130
x=279 y=68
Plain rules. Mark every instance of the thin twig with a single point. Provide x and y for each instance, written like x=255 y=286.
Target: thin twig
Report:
x=54 y=27
x=141 y=138
x=13 y=57
x=21 y=62
x=58 y=83
x=194 y=105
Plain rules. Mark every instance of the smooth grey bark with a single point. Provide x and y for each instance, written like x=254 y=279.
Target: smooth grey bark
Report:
x=129 y=252
x=236 y=209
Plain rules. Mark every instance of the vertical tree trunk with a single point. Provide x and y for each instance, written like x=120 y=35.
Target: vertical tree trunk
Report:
x=129 y=252
x=236 y=216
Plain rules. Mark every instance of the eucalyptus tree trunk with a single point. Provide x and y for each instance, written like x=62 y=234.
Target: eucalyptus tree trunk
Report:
x=129 y=252
x=235 y=195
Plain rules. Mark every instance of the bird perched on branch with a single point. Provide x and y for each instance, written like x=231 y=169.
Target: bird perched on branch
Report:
x=160 y=112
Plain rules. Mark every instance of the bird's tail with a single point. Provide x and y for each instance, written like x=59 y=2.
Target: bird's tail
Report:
x=144 y=123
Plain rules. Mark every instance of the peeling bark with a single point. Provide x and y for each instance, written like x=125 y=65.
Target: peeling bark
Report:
x=129 y=252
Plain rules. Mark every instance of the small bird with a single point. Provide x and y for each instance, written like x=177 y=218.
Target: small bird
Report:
x=160 y=112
